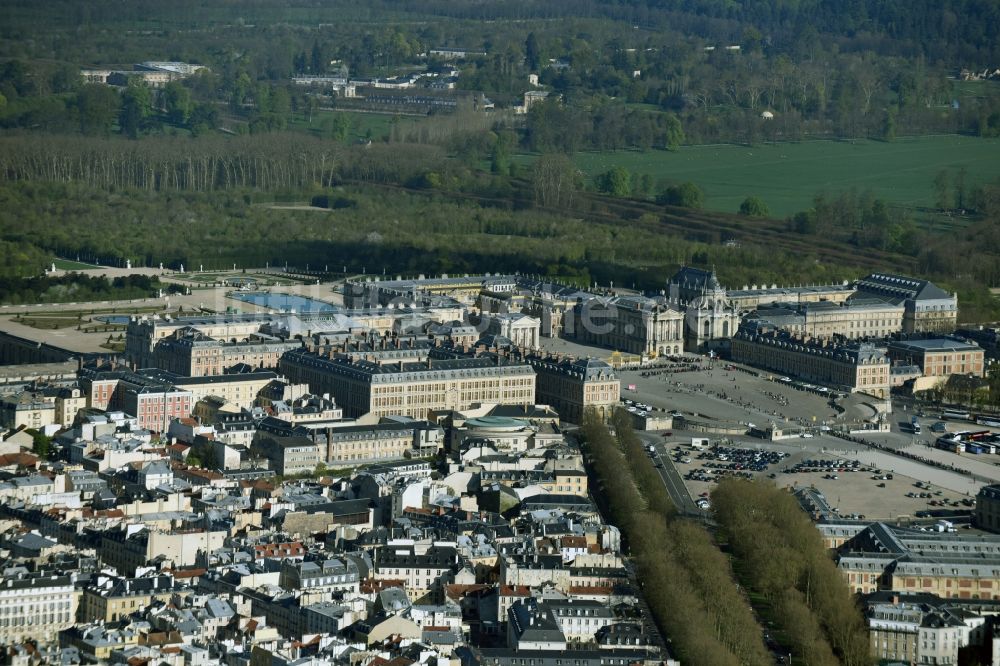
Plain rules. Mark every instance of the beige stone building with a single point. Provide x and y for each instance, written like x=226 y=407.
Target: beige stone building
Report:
x=951 y=566
x=753 y=296
x=239 y=389
x=189 y=352
x=292 y=454
x=853 y=367
x=413 y=388
x=908 y=629
x=632 y=324
x=987 y=513
x=112 y=598
x=241 y=332
x=345 y=444
x=571 y=386
x=926 y=307
x=371 y=292
x=36 y=606
x=69 y=401
x=27 y=409
x=43 y=407
x=854 y=319
x=522 y=330
x=940 y=357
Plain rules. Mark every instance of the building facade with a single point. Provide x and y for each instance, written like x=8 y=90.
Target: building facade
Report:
x=853 y=319
x=854 y=367
x=632 y=324
x=36 y=607
x=940 y=357
x=191 y=353
x=926 y=307
x=412 y=389
x=572 y=386
x=908 y=561
x=521 y=329
x=710 y=318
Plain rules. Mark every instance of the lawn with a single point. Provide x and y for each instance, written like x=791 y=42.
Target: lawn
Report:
x=69 y=265
x=787 y=175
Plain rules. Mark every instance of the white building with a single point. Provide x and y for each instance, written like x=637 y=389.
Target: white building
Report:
x=36 y=606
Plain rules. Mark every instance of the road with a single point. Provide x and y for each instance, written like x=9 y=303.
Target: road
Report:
x=678 y=492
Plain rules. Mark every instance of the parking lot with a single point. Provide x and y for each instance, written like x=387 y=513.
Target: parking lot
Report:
x=854 y=483
x=718 y=392
x=856 y=488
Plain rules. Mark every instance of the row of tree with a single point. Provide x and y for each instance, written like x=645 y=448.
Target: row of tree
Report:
x=275 y=162
x=784 y=560
x=686 y=580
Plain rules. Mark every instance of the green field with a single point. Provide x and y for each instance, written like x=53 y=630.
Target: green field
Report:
x=70 y=265
x=787 y=175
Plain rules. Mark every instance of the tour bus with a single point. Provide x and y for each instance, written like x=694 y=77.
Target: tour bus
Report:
x=949 y=444
x=956 y=415
x=988 y=421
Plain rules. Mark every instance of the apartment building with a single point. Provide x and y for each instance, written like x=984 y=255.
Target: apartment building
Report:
x=111 y=598
x=420 y=570
x=915 y=632
x=36 y=606
x=322 y=575
x=45 y=406
x=291 y=454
